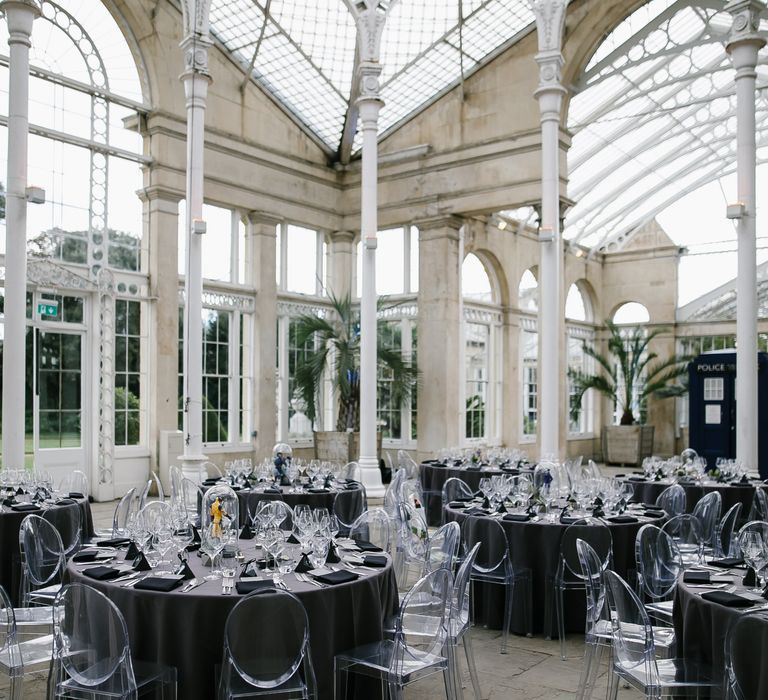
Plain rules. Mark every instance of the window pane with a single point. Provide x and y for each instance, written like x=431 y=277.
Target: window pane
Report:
x=302 y=260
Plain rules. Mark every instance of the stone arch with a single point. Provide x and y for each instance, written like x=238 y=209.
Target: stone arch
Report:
x=630 y=312
x=588 y=299
x=132 y=25
x=528 y=301
x=495 y=272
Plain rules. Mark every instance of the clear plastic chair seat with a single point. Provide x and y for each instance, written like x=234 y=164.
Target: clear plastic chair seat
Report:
x=673 y=674
x=32 y=655
x=146 y=676
x=378 y=657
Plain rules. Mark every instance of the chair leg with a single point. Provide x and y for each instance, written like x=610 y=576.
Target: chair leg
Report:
x=396 y=692
x=508 y=597
x=16 y=687
x=339 y=682
x=589 y=657
x=470 y=654
x=613 y=684
x=594 y=671
x=560 y=617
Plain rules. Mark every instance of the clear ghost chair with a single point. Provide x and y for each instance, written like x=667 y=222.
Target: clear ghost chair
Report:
x=707 y=512
x=69 y=524
x=686 y=531
x=455 y=489
x=746 y=631
x=373 y=526
x=443 y=548
x=144 y=494
x=412 y=541
x=75 y=484
x=392 y=494
x=344 y=515
x=119 y=517
x=759 y=509
x=20 y=658
x=418 y=648
x=92 y=657
x=672 y=500
x=493 y=565
x=412 y=494
x=42 y=561
x=177 y=490
x=350 y=471
x=257 y=662
x=407 y=463
x=159 y=486
x=568 y=575
x=635 y=659
x=460 y=624
x=192 y=495
x=282 y=514
x=659 y=566
x=725 y=542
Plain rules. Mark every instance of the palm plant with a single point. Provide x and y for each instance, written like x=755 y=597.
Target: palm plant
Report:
x=630 y=371
x=336 y=345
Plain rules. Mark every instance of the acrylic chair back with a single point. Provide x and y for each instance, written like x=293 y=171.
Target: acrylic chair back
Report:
x=593 y=531
x=443 y=548
x=759 y=510
x=144 y=494
x=686 y=531
x=412 y=532
x=633 y=645
x=707 y=512
x=350 y=471
x=177 y=492
x=427 y=606
x=461 y=592
x=455 y=489
x=90 y=640
x=9 y=645
x=122 y=513
x=374 y=526
x=159 y=486
x=658 y=560
x=392 y=495
x=69 y=524
x=407 y=463
x=492 y=558
x=75 y=482
x=725 y=544
x=258 y=656
x=592 y=572
x=747 y=634
x=672 y=500
x=42 y=551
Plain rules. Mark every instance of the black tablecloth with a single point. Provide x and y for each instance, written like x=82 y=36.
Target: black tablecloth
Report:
x=649 y=491
x=433 y=476
x=350 y=500
x=10 y=523
x=535 y=545
x=701 y=627
x=186 y=630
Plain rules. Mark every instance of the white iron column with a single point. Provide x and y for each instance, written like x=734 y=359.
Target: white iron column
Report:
x=550 y=21
x=20 y=15
x=744 y=45
x=196 y=79
x=369 y=105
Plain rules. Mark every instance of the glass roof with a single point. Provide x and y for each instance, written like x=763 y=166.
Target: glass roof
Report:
x=653 y=119
x=303 y=52
x=720 y=304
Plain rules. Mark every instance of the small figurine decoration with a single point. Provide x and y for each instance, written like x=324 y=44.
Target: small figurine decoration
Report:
x=282 y=454
x=217 y=513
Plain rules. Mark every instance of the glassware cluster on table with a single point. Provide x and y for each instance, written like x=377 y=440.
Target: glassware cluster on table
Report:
x=553 y=488
x=690 y=467
x=30 y=485
x=310 y=474
x=493 y=457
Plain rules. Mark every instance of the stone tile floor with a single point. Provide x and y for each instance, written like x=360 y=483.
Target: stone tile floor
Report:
x=530 y=670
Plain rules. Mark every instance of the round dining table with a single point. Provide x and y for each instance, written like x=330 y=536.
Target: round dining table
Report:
x=701 y=628
x=57 y=513
x=433 y=475
x=647 y=490
x=535 y=545
x=347 y=498
x=185 y=629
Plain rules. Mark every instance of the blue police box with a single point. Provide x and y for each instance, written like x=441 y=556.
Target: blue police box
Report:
x=712 y=407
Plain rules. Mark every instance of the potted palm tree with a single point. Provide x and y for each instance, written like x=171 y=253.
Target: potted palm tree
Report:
x=628 y=375
x=336 y=342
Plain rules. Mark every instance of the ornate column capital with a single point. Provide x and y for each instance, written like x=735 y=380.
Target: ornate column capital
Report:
x=20 y=15
x=155 y=192
x=439 y=226
x=370 y=17
x=197 y=38
x=745 y=31
x=262 y=218
x=550 y=24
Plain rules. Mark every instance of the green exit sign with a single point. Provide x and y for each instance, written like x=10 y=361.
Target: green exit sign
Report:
x=50 y=308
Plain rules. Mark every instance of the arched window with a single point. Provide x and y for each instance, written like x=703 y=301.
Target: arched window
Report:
x=479 y=356
x=528 y=301
x=578 y=312
x=528 y=292
x=631 y=314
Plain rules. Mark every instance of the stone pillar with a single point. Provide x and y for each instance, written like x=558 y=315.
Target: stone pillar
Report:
x=550 y=23
x=161 y=214
x=743 y=47
x=440 y=335
x=20 y=15
x=342 y=263
x=261 y=245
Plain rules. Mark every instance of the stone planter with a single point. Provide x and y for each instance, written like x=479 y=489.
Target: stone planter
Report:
x=627 y=444
x=344 y=447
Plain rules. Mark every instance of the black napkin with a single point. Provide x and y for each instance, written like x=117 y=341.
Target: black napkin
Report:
x=75 y=494
x=619 y=476
x=563 y=514
x=510 y=470
x=24 y=507
x=475 y=511
x=651 y=506
x=252 y=567
x=19 y=491
x=622 y=519
x=292 y=539
x=132 y=553
x=352 y=487
x=304 y=565
x=365 y=546
x=195 y=535
x=463 y=499
x=378 y=560
x=102 y=573
x=750 y=579
x=333 y=555
x=211 y=481
x=598 y=512
x=66 y=502
x=637 y=478
x=140 y=563
x=486 y=503
x=729 y=563
x=730 y=600
x=501 y=508
x=156 y=583
x=113 y=542
x=517 y=517
x=335 y=577
x=317 y=490
x=246 y=533
x=86 y=555
x=569 y=519
x=473 y=467
x=245 y=587
x=696 y=576
x=273 y=489
x=184 y=571
x=457 y=504
x=9 y=501
x=654 y=513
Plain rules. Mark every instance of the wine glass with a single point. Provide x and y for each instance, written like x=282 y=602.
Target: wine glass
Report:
x=319 y=552
x=212 y=544
x=274 y=542
x=753 y=547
